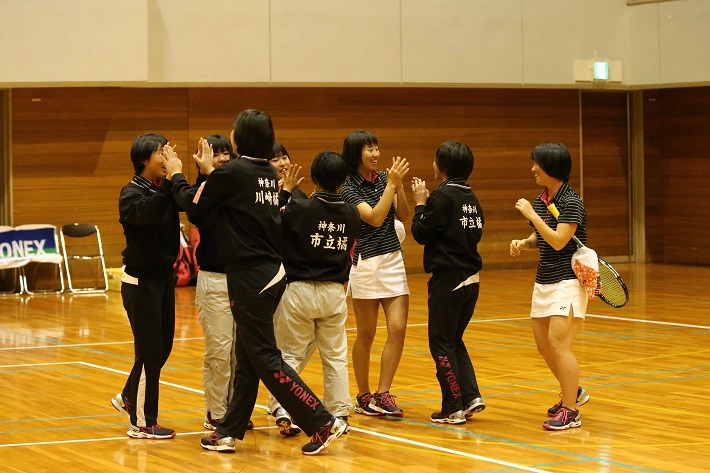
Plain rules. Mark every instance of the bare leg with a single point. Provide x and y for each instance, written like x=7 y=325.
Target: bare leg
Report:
x=541 y=328
x=366 y=311
x=561 y=335
x=396 y=312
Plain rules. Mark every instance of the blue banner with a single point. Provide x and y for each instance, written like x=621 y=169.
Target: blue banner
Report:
x=28 y=243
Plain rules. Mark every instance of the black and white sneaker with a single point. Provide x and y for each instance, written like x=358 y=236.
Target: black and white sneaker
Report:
x=362 y=405
x=384 y=404
x=218 y=443
x=457 y=417
x=565 y=418
x=120 y=403
x=345 y=419
x=154 y=432
x=285 y=423
x=324 y=436
x=476 y=405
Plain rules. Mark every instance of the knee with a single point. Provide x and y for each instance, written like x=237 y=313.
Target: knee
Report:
x=365 y=336
x=397 y=332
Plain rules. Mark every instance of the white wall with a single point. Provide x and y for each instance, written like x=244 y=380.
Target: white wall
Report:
x=73 y=41
x=349 y=42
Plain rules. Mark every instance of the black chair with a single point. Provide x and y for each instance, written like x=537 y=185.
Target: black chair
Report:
x=83 y=258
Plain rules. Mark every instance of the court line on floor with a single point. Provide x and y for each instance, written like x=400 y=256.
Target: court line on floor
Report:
x=654 y=322
x=381 y=327
x=193 y=390
x=448 y=450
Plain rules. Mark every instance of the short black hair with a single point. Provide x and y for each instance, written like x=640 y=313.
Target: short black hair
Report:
x=253 y=134
x=279 y=150
x=554 y=159
x=220 y=143
x=455 y=159
x=329 y=170
x=352 y=148
x=143 y=147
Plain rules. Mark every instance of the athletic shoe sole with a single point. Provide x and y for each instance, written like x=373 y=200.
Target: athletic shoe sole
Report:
x=474 y=409
x=219 y=448
x=286 y=427
x=119 y=405
x=142 y=435
x=571 y=425
x=361 y=410
x=383 y=412
x=446 y=420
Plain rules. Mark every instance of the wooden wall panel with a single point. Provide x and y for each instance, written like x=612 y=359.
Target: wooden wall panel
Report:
x=501 y=127
x=71 y=152
x=606 y=171
x=653 y=176
x=685 y=143
x=71 y=148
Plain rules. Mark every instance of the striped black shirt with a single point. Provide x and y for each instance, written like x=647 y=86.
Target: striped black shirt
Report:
x=556 y=266
x=371 y=241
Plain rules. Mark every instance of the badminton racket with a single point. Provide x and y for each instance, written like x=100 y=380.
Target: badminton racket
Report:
x=613 y=290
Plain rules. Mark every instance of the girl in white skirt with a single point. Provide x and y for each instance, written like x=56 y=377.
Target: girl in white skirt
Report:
x=377 y=276
x=559 y=301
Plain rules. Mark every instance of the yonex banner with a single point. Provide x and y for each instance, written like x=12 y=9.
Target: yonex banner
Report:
x=28 y=243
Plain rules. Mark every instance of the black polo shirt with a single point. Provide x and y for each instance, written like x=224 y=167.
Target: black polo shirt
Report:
x=556 y=266
x=371 y=241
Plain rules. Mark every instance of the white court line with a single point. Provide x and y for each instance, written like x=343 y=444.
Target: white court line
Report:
x=379 y=327
x=657 y=322
x=186 y=388
x=108 y=439
x=73 y=345
x=448 y=450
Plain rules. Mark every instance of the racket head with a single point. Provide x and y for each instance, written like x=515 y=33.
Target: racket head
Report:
x=614 y=291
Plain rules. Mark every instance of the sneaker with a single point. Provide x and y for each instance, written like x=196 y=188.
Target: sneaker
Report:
x=582 y=399
x=457 y=417
x=285 y=423
x=154 y=432
x=565 y=418
x=362 y=405
x=384 y=403
x=218 y=443
x=347 y=424
x=120 y=403
x=211 y=424
x=323 y=436
x=474 y=406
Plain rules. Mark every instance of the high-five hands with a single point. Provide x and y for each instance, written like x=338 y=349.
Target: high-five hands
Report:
x=421 y=194
x=173 y=165
x=204 y=157
x=291 y=180
x=396 y=172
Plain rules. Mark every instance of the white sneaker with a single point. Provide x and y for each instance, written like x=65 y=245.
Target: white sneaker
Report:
x=285 y=422
x=457 y=417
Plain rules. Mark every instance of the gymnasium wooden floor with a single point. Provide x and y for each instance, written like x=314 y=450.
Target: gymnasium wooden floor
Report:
x=646 y=367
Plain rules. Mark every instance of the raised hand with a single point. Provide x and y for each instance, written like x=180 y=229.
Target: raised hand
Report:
x=421 y=194
x=173 y=165
x=525 y=208
x=204 y=157
x=395 y=173
x=291 y=180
